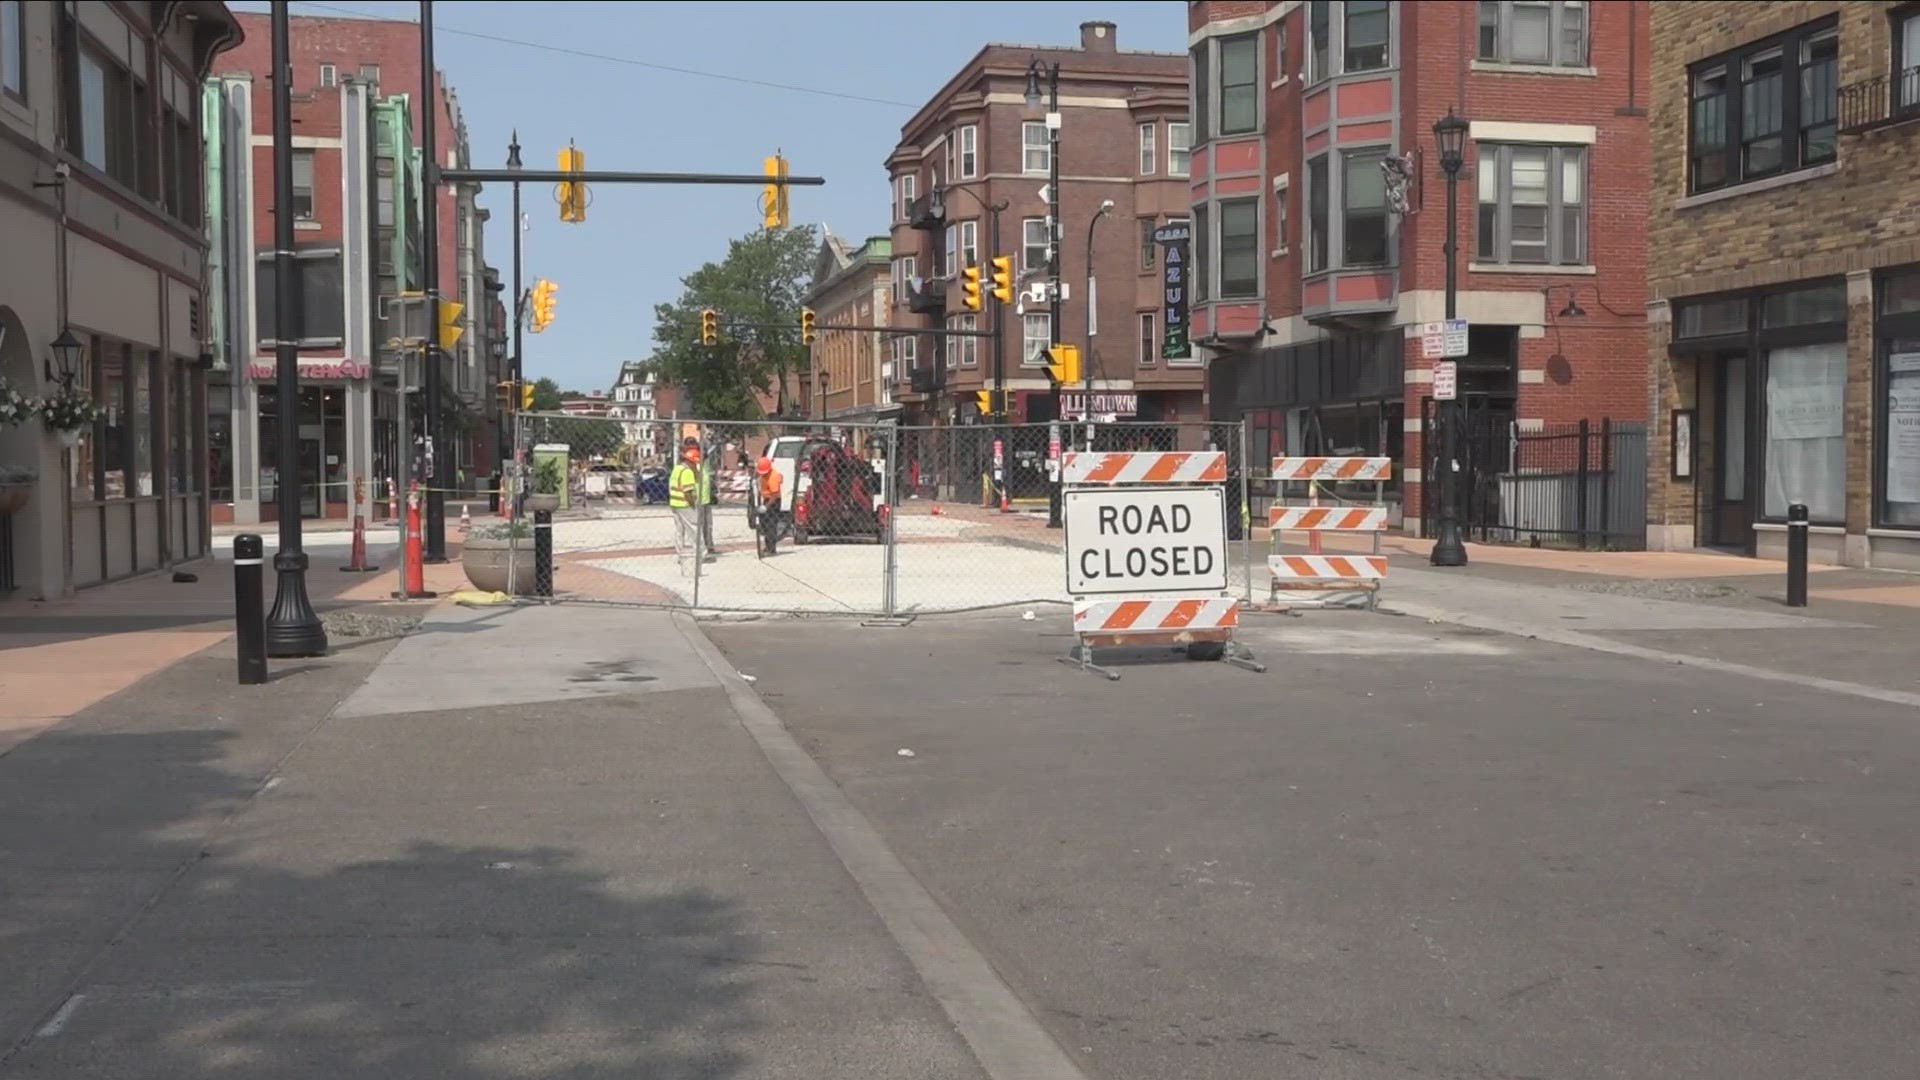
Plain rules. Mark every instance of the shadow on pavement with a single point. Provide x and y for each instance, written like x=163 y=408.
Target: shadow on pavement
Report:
x=147 y=933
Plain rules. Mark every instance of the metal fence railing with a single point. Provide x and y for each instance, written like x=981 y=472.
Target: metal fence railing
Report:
x=873 y=519
x=1563 y=485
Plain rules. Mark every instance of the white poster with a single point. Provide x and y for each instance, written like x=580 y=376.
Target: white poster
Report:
x=1903 y=428
x=1806 y=412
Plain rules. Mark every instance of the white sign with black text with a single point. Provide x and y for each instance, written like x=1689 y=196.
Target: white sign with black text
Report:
x=1446 y=380
x=1144 y=540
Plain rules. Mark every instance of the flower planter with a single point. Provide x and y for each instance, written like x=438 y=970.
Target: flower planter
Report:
x=537 y=503
x=486 y=563
x=69 y=437
x=14 y=497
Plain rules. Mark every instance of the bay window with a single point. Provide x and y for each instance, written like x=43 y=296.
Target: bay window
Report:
x=1036 y=153
x=1348 y=37
x=1532 y=204
x=1365 y=29
x=1179 y=148
x=1239 y=85
x=1149 y=152
x=1317 y=203
x=1202 y=284
x=1033 y=243
x=1239 y=249
x=1036 y=335
x=969 y=152
x=1363 y=202
x=1766 y=109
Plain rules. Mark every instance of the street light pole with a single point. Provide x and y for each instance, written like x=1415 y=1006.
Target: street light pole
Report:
x=1449 y=549
x=517 y=364
x=1000 y=310
x=436 y=538
x=1035 y=71
x=293 y=628
x=1086 y=362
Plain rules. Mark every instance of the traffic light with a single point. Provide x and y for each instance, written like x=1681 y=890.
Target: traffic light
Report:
x=709 y=327
x=1063 y=364
x=970 y=288
x=544 y=292
x=572 y=194
x=774 y=200
x=807 y=331
x=985 y=398
x=1003 y=279
x=526 y=395
x=450 y=328
x=507 y=396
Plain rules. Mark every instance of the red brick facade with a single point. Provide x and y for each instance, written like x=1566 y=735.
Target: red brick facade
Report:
x=1532 y=366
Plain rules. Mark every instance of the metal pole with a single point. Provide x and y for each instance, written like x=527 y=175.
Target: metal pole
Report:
x=1448 y=547
x=1799 y=524
x=517 y=364
x=249 y=608
x=293 y=628
x=436 y=538
x=889 y=585
x=1055 y=309
x=1246 y=506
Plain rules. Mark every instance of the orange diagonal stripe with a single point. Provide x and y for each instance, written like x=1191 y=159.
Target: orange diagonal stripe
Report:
x=1216 y=469
x=1125 y=614
x=1165 y=467
x=1108 y=467
x=1183 y=614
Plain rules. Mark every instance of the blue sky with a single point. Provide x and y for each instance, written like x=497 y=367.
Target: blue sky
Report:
x=639 y=241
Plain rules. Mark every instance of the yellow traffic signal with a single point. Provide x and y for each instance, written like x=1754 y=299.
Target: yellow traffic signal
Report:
x=1063 y=364
x=985 y=399
x=526 y=394
x=1003 y=279
x=544 y=292
x=807 y=331
x=450 y=328
x=774 y=199
x=709 y=327
x=970 y=288
x=573 y=195
x=505 y=389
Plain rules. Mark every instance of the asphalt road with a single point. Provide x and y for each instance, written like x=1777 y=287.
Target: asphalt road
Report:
x=1408 y=850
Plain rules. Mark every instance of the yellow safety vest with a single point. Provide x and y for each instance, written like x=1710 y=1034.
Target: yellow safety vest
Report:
x=684 y=477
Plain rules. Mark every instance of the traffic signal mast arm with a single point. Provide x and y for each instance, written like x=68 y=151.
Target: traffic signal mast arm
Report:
x=536 y=176
x=897 y=331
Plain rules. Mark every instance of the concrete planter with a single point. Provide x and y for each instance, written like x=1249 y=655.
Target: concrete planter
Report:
x=537 y=503
x=486 y=561
x=14 y=497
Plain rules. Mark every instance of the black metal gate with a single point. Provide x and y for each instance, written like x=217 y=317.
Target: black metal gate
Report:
x=1564 y=485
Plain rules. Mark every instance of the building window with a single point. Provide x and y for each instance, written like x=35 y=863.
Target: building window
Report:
x=1533 y=206
x=1036 y=156
x=1239 y=249
x=952 y=343
x=105 y=124
x=1899 y=422
x=1148 y=154
x=1239 y=84
x=1906 y=60
x=1282 y=218
x=1363 y=195
x=1149 y=342
x=329 y=75
x=1366 y=30
x=1036 y=334
x=383 y=197
x=1033 y=243
x=370 y=73
x=1179 y=148
x=969 y=244
x=1317 y=238
x=1543 y=32
x=1149 y=251
x=1769 y=108
x=1202 y=268
x=969 y=152
x=1202 y=92
x=1806 y=445
x=13 y=48
x=906 y=197
x=317 y=273
x=949 y=266
x=1319 y=30
x=303 y=185
x=969 y=346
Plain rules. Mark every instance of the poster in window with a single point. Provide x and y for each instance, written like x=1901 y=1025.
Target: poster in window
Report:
x=1176 y=276
x=1682 y=444
x=1903 y=427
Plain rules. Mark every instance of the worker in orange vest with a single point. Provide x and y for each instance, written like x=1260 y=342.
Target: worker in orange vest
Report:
x=769 y=501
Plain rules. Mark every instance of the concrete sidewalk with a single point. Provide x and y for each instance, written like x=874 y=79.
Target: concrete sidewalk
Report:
x=531 y=842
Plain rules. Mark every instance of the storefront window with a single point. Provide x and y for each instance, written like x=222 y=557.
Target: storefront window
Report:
x=183 y=477
x=140 y=414
x=113 y=398
x=1806 y=446
x=220 y=443
x=1899 y=444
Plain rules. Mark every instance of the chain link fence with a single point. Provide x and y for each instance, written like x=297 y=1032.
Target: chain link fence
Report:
x=854 y=519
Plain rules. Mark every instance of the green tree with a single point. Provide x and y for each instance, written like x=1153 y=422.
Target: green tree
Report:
x=546 y=395
x=757 y=290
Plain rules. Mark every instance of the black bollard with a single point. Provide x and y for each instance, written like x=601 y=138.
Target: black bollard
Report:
x=249 y=608
x=1798 y=525
x=543 y=553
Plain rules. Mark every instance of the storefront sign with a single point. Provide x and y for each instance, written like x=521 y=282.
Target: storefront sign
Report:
x=1175 y=239
x=1115 y=403
x=325 y=369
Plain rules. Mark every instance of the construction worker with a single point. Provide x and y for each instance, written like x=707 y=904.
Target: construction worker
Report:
x=769 y=501
x=683 y=499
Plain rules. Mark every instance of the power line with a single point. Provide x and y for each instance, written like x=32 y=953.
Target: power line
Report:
x=627 y=60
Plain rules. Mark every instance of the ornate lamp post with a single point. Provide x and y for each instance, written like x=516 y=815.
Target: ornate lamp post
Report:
x=1450 y=136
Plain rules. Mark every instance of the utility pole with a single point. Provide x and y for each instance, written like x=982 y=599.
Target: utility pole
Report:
x=436 y=539
x=510 y=506
x=1035 y=71
x=293 y=628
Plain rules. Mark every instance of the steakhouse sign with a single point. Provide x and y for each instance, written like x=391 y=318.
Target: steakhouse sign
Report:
x=1142 y=540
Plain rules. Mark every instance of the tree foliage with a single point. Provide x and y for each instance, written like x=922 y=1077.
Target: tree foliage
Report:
x=546 y=395
x=757 y=291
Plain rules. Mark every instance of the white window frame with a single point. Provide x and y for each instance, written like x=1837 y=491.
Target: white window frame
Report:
x=1493 y=162
x=969 y=346
x=1282 y=214
x=949 y=148
x=1036 y=334
x=907 y=184
x=969 y=152
x=1028 y=148
x=1027 y=246
x=1149 y=151
x=969 y=244
x=311 y=189
x=329 y=75
x=1179 y=148
x=951 y=251
x=1561 y=52
x=1146 y=327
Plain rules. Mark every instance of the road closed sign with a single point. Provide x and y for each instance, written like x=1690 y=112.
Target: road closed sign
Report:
x=1145 y=540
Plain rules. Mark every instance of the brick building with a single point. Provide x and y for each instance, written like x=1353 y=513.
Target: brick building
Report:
x=850 y=372
x=976 y=144
x=358 y=163
x=1319 y=211
x=1785 y=316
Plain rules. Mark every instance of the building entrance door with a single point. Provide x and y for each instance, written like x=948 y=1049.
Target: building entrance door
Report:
x=1729 y=510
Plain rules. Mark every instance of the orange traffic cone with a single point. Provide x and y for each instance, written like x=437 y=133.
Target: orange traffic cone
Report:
x=937 y=512
x=466 y=518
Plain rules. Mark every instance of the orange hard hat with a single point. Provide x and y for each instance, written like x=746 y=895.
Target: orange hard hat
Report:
x=763 y=466
x=693 y=453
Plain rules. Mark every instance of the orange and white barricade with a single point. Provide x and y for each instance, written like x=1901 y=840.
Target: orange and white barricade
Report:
x=1147 y=556
x=1319 y=578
